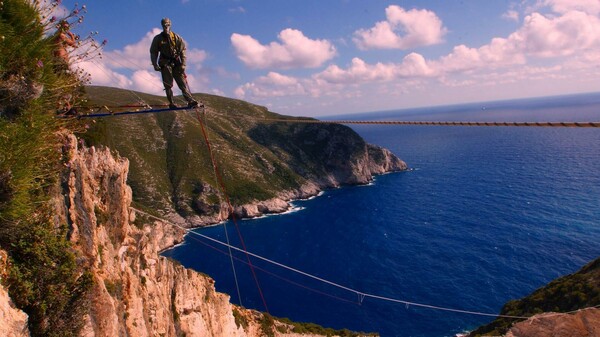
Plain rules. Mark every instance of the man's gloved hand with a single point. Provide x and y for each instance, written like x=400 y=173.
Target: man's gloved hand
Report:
x=156 y=67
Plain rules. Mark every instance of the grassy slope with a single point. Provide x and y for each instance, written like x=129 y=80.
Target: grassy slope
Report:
x=565 y=294
x=169 y=159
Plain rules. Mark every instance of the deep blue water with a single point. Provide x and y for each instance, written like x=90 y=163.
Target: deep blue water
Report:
x=487 y=214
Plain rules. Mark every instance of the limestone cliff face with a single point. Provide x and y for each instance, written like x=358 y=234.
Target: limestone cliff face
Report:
x=13 y=322
x=343 y=158
x=136 y=291
x=583 y=323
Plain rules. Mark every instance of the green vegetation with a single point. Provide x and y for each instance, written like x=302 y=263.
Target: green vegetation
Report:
x=114 y=288
x=169 y=150
x=267 y=325
x=311 y=328
x=572 y=292
x=170 y=166
x=240 y=320
x=44 y=279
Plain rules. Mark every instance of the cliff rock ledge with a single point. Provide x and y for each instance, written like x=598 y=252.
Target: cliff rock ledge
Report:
x=136 y=291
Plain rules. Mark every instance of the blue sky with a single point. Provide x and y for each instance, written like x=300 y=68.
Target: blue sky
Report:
x=317 y=58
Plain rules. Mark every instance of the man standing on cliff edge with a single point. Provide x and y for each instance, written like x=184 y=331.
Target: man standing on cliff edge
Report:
x=167 y=54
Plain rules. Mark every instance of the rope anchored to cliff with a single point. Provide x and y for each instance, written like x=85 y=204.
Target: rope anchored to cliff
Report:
x=158 y=109
x=230 y=208
x=361 y=296
x=436 y=123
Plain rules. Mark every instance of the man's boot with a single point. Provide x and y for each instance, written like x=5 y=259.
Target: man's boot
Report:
x=169 y=92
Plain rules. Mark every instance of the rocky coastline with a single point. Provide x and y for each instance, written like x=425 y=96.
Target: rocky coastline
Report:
x=376 y=161
x=136 y=291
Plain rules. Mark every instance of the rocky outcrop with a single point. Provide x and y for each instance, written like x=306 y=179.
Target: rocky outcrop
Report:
x=136 y=291
x=13 y=322
x=327 y=155
x=330 y=156
x=382 y=160
x=583 y=323
x=566 y=294
x=373 y=161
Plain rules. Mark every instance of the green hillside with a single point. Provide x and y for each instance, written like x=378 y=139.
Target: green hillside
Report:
x=170 y=168
x=568 y=293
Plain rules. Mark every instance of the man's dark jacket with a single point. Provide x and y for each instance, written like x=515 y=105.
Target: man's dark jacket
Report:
x=170 y=53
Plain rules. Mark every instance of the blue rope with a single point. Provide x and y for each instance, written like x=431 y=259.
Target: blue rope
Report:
x=105 y=114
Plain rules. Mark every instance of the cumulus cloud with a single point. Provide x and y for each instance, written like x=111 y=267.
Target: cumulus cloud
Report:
x=294 y=51
x=146 y=81
x=333 y=79
x=512 y=15
x=402 y=30
x=548 y=36
x=413 y=65
x=591 y=7
x=540 y=36
x=134 y=55
x=561 y=35
x=272 y=85
x=102 y=74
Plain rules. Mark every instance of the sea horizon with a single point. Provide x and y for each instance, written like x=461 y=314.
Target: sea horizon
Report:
x=586 y=104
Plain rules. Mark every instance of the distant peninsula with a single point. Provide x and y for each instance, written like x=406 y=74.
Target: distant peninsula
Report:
x=264 y=164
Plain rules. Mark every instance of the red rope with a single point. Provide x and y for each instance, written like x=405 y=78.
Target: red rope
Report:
x=231 y=213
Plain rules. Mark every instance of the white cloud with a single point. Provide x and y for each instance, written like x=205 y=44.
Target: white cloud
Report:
x=512 y=15
x=137 y=56
x=146 y=81
x=271 y=85
x=101 y=74
x=413 y=65
x=541 y=36
x=548 y=36
x=591 y=7
x=335 y=81
x=402 y=30
x=278 y=79
x=559 y=43
x=294 y=51
x=195 y=58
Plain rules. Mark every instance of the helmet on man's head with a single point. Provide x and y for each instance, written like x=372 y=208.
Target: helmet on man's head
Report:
x=165 y=21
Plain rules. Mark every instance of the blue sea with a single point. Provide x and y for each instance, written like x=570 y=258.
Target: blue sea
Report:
x=483 y=216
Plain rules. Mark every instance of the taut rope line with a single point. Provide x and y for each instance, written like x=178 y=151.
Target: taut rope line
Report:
x=440 y=123
x=222 y=186
x=361 y=295
x=373 y=122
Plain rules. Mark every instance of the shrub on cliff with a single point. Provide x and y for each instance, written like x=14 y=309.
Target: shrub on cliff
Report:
x=44 y=278
x=568 y=293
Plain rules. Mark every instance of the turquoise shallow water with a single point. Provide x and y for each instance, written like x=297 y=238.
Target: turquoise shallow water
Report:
x=485 y=215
